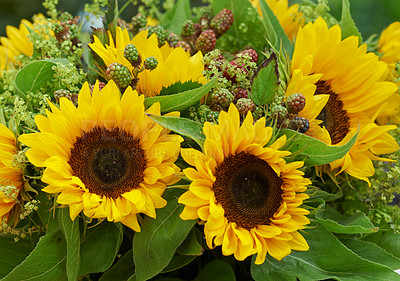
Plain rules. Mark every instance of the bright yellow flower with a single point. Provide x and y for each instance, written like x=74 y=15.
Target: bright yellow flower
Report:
x=354 y=81
x=244 y=191
x=288 y=16
x=174 y=64
x=389 y=47
x=106 y=157
x=10 y=176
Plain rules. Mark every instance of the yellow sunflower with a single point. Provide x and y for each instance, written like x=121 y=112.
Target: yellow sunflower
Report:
x=10 y=177
x=106 y=157
x=174 y=64
x=389 y=47
x=354 y=81
x=246 y=193
x=288 y=16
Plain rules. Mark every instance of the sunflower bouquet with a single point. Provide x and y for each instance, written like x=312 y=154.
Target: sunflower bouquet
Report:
x=219 y=140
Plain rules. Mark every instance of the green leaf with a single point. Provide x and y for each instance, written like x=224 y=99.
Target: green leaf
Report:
x=265 y=81
x=179 y=87
x=155 y=245
x=182 y=100
x=217 y=270
x=178 y=261
x=70 y=229
x=122 y=270
x=313 y=151
x=337 y=223
x=347 y=23
x=274 y=31
x=13 y=253
x=246 y=30
x=321 y=194
x=327 y=258
x=388 y=240
x=34 y=75
x=191 y=245
x=46 y=262
x=372 y=252
x=175 y=18
x=100 y=247
x=182 y=126
x=111 y=16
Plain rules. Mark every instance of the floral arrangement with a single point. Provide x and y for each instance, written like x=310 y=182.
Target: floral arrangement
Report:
x=235 y=140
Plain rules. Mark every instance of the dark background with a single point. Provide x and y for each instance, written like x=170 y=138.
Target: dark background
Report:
x=371 y=16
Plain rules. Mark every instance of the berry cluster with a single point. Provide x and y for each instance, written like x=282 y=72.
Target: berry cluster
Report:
x=120 y=74
x=67 y=29
x=58 y=94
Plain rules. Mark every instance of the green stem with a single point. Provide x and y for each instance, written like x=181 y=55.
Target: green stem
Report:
x=124 y=7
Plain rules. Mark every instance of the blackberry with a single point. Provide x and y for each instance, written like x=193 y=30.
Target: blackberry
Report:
x=120 y=74
x=223 y=98
x=188 y=29
x=139 y=21
x=62 y=93
x=241 y=93
x=101 y=86
x=161 y=33
x=206 y=41
x=184 y=45
x=222 y=22
x=172 y=39
x=295 y=103
x=132 y=55
x=150 y=63
x=252 y=53
x=279 y=112
x=245 y=105
x=299 y=124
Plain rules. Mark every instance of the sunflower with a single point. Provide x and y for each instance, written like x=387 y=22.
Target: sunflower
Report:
x=174 y=64
x=247 y=195
x=389 y=47
x=10 y=176
x=288 y=16
x=354 y=81
x=106 y=157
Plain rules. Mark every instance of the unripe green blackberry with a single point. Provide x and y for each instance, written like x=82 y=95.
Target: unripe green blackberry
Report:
x=62 y=93
x=150 y=63
x=132 y=55
x=222 y=22
x=295 y=103
x=206 y=41
x=279 y=112
x=139 y=21
x=299 y=124
x=172 y=39
x=223 y=98
x=188 y=29
x=184 y=45
x=245 y=105
x=120 y=74
x=161 y=33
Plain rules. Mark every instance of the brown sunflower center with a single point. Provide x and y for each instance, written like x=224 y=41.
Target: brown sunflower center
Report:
x=248 y=189
x=333 y=116
x=108 y=162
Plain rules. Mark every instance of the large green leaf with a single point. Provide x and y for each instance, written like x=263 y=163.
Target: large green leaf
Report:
x=46 y=262
x=327 y=258
x=13 y=253
x=182 y=100
x=347 y=23
x=70 y=229
x=246 y=30
x=155 y=245
x=191 y=246
x=122 y=270
x=99 y=247
x=313 y=151
x=182 y=126
x=178 y=261
x=217 y=270
x=388 y=240
x=34 y=75
x=274 y=31
x=337 y=223
x=265 y=82
x=373 y=252
x=175 y=18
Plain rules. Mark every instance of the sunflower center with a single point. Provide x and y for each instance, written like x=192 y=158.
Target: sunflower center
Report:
x=248 y=189
x=108 y=162
x=333 y=116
